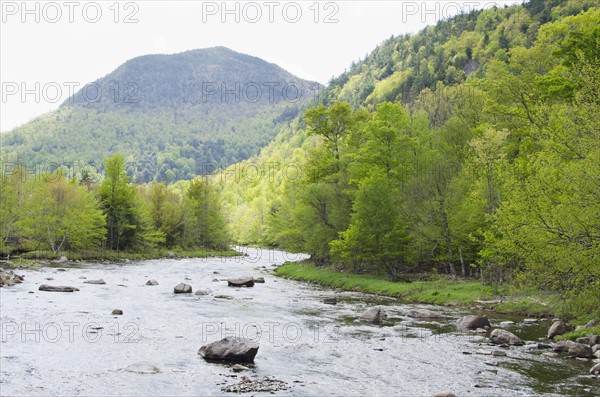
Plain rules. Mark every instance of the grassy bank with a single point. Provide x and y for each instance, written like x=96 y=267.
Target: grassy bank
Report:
x=118 y=256
x=440 y=292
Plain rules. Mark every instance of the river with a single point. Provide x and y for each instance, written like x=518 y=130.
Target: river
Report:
x=70 y=343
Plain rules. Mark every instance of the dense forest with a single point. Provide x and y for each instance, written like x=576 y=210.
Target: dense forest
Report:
x=471 y=148
x=49 y=214
x=172 y=116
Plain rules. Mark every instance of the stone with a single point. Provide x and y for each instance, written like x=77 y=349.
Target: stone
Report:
x=117 y=312
x=591 y=323
x=472 y=322
x=201 y=292
x=171 y=255
x=99 y=281
x=142 y=368
x=424 y=313
x=589 y=340
x=595 y=369
x=241 y=282
x=557 y=328
x=501 y=336
x=562 y=346
x=152 y=282
x=531 y=321
x=596 y=348
x=332 y=300
x=182 y=288
x=259 y=280
x=223 y=297
x=57 y=288
x=444 y=394
x=373 y=315
x=230 y=349
x=62 y=259
x=498 y=353
x=239 y=368
x=580 y=350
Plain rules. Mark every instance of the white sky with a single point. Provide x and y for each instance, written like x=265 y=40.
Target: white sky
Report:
x=75 y=50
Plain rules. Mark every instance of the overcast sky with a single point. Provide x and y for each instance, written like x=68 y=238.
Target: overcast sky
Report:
x=64 y=44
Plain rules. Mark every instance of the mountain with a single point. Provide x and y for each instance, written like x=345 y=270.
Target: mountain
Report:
x=172 y=116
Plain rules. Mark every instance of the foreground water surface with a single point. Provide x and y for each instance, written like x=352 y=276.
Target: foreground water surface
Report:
x=70 y=343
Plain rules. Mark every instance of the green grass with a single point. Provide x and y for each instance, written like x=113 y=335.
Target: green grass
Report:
x=535 y=304
x=442 y=292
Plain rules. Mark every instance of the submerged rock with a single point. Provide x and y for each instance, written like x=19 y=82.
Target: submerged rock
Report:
x=425 y=313
x=57 y=288
x=557 y=328
x=501 y=336
x=259 y=280
x=472 y=322
x=99 y=281
x=182 y=288
x=201 y=292
x=241 y=282
x=152 y=282
x=444 y=394
x=331 y=300
x=230 y=349
x=142 y=368
x=247 y=385
x=373 y=315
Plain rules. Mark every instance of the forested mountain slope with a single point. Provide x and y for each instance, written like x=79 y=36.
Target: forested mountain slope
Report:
x=173 y=116
x=471 y=148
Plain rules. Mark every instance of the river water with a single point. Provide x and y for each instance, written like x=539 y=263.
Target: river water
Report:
x=71 y=344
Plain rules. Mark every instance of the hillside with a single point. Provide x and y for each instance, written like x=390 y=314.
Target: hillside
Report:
x=174 y=116
x=469 y=149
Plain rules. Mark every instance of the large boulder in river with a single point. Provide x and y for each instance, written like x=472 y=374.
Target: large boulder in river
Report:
x=472 y=322
x=241 y=282
x=373 y=315
x=580 y=350
x=182 y=288
x=57 y=288
x=503 y=337
x=425 y=313
x=557 y=328
x=230 y=349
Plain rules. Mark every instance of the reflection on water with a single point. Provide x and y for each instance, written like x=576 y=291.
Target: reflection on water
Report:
x=69 y=343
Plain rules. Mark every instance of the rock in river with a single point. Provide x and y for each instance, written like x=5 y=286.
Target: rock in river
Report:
x=472 y=322
x=580 y=350
x=241 y=282
x=372 y=315
x=182 y=288
x=424 y=313
x=557 y=328
x=501 y=337
x=331 y=300
x=230 y=349
x=595 y=369
x=57 y=288
x=99 y=281
x=152 y=282
x=201 y=292
x=259 y=280
x=142 y=368
x=117 y=312
x=562 y=346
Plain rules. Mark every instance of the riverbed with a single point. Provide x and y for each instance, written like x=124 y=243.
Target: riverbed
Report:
x=70 y=344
